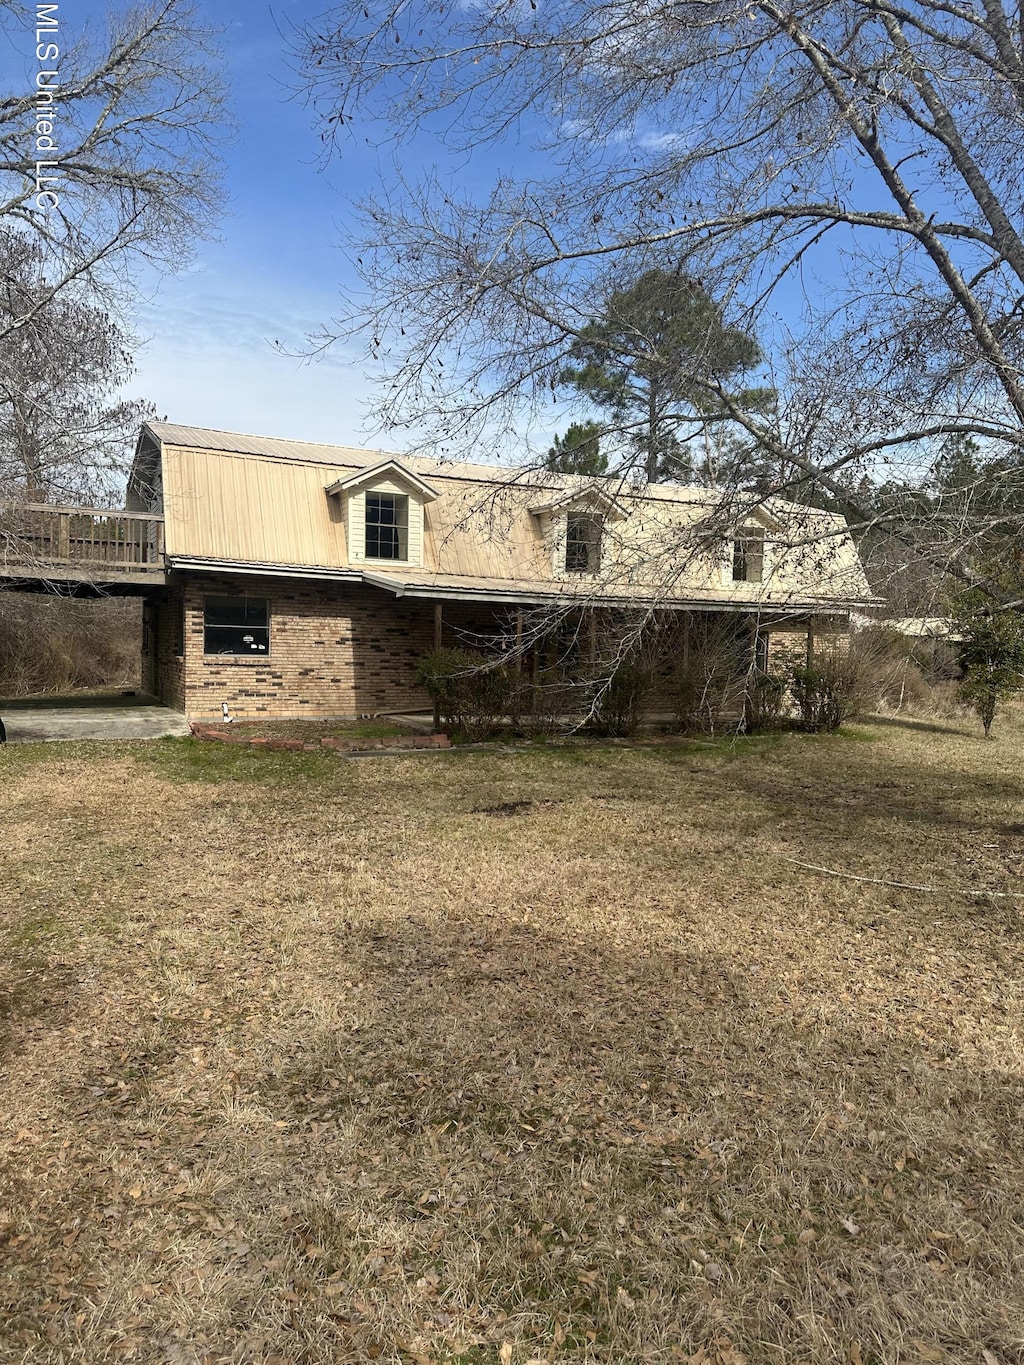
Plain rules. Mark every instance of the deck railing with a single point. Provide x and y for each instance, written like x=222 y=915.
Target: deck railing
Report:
x=38 y=535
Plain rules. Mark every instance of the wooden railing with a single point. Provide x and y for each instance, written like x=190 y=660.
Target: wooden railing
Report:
x=38 y=535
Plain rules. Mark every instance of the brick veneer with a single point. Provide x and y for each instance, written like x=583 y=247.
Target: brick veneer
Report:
x=335 y=651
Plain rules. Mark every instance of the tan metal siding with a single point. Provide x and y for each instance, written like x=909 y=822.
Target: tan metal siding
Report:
x=261 y=509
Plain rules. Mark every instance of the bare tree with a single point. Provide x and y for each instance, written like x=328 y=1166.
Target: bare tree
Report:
x=107 y=167
x=107 y=156
x=852 y=168
x=64 y=426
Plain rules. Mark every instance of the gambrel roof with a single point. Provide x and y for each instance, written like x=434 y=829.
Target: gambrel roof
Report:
x=258 y=504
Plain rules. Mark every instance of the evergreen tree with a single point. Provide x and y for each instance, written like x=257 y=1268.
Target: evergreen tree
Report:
x=578 y=451
x=654 y=361
x=990 y=648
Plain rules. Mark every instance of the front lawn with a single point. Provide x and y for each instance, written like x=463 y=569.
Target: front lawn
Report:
x=552 y=1056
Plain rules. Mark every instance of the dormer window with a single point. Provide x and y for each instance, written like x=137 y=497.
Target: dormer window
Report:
x=748 y=556
x=583 y=542
x=387 y=526
x=383 y=513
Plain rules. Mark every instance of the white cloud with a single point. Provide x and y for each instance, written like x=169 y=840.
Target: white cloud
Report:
x=208 y=359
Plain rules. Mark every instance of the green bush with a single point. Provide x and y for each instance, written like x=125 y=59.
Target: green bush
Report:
x=473 y=694
x=990 y=647
x=766 y=700
x=622 y=698
x=828 y=692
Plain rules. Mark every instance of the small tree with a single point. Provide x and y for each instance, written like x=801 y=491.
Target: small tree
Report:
x=578 y=451
x=990 y=648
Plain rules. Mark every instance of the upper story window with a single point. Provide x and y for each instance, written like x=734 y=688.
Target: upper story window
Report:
x=583 y=542
x=383 y=512
x=387 y=526
x=748 y=556
x=236 y=625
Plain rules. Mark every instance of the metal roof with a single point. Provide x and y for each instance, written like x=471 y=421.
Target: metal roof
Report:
x=260 y=504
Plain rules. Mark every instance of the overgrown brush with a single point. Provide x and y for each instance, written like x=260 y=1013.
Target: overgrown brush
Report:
x=57 y=645
x=709 y=680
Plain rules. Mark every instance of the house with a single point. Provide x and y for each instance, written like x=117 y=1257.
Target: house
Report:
x=311 y=580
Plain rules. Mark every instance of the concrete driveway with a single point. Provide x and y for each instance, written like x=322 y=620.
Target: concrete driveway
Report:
x=112 y=717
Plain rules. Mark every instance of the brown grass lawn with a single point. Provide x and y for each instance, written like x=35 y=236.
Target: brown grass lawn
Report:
x=491 y=1057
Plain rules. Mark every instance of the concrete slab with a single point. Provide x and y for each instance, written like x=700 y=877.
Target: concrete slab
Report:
x=92 y=718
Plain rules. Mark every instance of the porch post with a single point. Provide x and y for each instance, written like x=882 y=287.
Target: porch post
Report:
x=810 y=642
x=519 y=639
x=438 y=622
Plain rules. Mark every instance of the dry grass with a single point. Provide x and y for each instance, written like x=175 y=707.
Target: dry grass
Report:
x=525 y=1057
x=312 y=729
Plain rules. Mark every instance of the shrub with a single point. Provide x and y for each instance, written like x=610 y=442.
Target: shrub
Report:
x=546 y=705
x=766 y=701
x=829 y=691
x=473 y=694
x=622 y=698
x=709 y=679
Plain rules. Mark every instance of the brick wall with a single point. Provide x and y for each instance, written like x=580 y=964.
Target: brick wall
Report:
x=335 y=650
x=166 y=635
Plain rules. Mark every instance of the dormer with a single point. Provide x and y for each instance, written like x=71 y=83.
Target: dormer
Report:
x=383 y=511
x=574 y=530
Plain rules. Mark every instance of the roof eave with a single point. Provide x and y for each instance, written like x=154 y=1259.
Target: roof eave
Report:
x=395 y=467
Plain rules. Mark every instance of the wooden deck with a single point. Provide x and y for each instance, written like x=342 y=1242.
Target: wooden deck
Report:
x=42 y=544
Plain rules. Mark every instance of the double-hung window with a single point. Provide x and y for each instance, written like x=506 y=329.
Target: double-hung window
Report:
x=236 y=625
x=748 y=557
x=583 y=542
x=387 y=526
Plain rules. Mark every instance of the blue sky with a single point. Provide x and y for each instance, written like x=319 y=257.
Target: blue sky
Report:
x=275 y=271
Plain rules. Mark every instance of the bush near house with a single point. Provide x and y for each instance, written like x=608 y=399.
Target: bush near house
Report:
x=709 y=678
x=473 y=695
x=621 y=702
x=709 y=684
